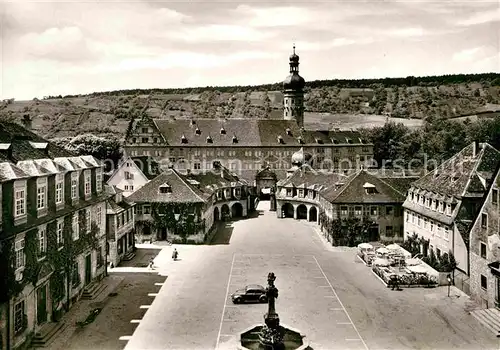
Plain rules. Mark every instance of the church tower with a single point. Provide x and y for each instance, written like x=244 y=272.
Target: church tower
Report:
x=293 y=92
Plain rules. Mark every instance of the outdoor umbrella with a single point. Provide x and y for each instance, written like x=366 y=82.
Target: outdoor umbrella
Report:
x=382 y=250
x=381 y=262
x=393 y=247
x=365 y=246
x=412 y=262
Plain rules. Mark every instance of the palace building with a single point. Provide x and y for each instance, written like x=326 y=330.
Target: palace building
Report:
x=52 y=234
x=244 y=146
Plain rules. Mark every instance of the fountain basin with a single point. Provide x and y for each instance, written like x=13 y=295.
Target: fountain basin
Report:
x=292 y=339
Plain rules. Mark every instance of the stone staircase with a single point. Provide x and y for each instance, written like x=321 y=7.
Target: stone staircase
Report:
x=45 y=335
x=490 y=318
x=92 y=290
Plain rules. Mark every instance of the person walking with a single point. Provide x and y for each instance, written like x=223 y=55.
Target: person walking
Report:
x=395 y=282
x=175 y=254
x=151 y=264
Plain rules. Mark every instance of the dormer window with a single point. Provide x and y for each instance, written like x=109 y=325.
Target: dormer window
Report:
x=235 y=139
x=193 y=122
x=209 y=139
x=197 y=131
x=288 y=132
x=370 y=188
x=335 y=141
x=280 y=139
x=184 y=139
x=145 y=130
x=319 y=141
x=348 y=140
x=222 y=131
x=134 y=140
x=165 y=188
x=361 y=140
x=299 y=139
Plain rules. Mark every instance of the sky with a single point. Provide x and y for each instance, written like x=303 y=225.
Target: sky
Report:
x=77 y=47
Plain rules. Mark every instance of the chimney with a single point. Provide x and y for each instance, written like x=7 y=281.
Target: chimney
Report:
x=27 y=121
x=475 y=148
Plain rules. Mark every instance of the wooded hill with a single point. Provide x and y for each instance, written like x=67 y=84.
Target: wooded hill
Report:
x=105 y=113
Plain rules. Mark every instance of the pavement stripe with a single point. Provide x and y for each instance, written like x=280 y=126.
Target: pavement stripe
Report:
x=342 y=305
x=344 y=323
x=125 y=337
x=135 y=321
x=336 y=309
x=357 y=339
x=159 y=284
x=152 y=294
x=144 y=306
x=225 y=298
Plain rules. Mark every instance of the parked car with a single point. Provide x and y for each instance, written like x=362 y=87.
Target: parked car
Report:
x=251 y=293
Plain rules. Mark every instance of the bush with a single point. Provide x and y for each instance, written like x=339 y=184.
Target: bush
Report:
x=405 y=279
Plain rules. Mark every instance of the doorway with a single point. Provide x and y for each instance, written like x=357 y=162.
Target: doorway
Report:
x=41 y=305
x=373 y=234
x=88 y=269
x=162 y=236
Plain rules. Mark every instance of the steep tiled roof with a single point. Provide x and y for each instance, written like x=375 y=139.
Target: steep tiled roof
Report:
x=182 y=191
x=266 y=173
x=24 y=143
x=458 y=175
x=113 y=207
x=216 y=178
x=401 y=184
x=354 y=192
x=307 y=177
x=248 y=132
x=9 y=171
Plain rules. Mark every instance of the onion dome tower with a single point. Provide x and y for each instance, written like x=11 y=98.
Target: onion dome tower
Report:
x=299 y=159
x=293 y=92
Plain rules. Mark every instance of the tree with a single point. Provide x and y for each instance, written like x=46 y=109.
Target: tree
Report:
x=109 y=148
x=387 y=141
x=349 y=231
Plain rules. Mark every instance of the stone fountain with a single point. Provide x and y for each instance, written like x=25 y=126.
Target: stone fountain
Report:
x=271 y=335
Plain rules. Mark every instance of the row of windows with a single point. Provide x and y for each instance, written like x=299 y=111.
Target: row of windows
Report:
x=432 y=203
x=369 y=210
x=124 y=218
x=233 y=153
x=301 y=193
x=20 y=256
x=428 y=224
x=20 y=191
x=226 y=193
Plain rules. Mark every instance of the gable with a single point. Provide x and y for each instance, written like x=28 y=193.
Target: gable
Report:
x=143 y=129
x=119 y=176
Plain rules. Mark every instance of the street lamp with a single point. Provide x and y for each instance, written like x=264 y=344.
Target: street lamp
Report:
x=449 y=283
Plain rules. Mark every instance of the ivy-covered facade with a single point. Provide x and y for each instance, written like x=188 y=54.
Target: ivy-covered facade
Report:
x=349 y=209
x=184 y=207
x=52 y=238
